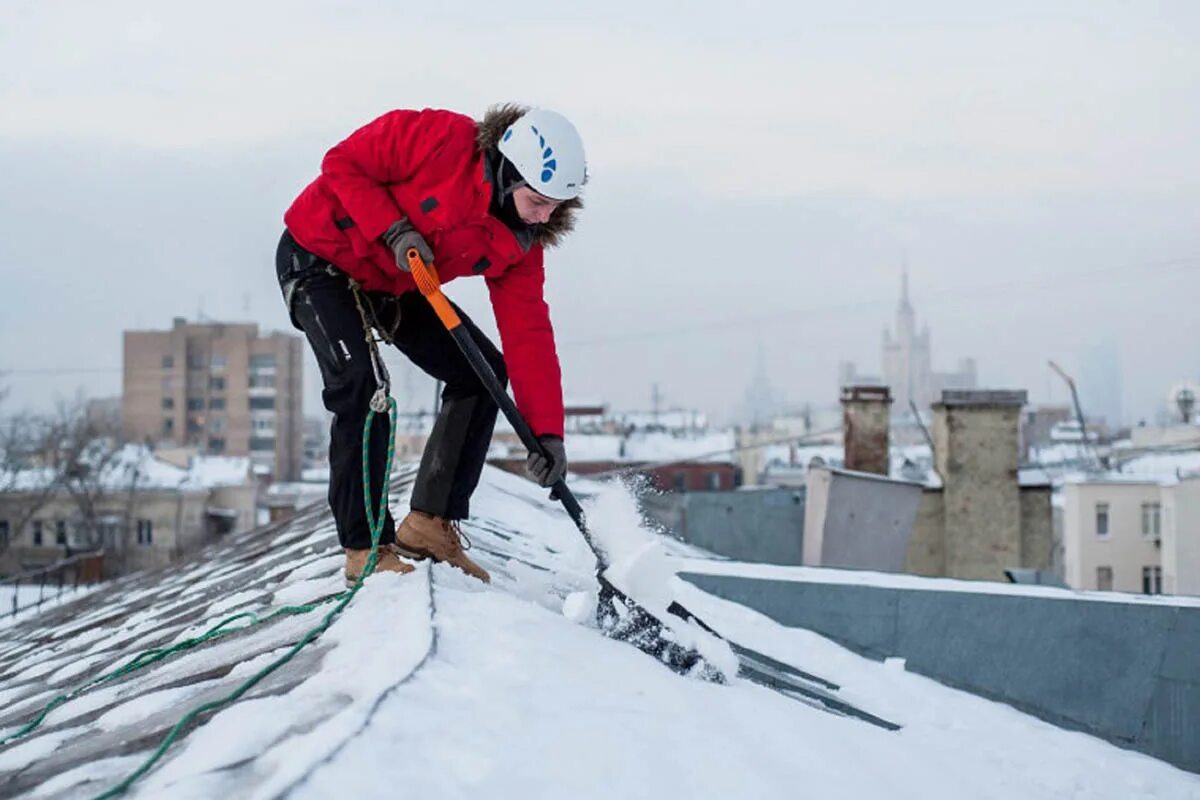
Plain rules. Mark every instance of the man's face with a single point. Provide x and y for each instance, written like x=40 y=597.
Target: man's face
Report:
x=533 y=208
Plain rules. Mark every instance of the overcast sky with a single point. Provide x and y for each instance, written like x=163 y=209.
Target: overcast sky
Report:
x=759 y=173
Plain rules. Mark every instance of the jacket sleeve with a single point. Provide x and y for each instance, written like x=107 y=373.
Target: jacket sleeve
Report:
x=527 y=338
x=387 y=150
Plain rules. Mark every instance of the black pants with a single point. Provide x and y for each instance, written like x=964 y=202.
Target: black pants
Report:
x=321 y=304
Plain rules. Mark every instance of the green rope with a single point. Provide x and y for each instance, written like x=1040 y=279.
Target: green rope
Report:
x=148 y=657
x=376 y=520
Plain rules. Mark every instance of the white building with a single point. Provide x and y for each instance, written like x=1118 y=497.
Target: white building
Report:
x=1181 y=536
x=1132 y=533
x=1112 y=534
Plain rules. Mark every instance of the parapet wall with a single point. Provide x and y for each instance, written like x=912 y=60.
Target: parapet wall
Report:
x=1127 y=672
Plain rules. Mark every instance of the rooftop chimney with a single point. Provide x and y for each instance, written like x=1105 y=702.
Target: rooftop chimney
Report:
x=976 y=448
x=865 y=421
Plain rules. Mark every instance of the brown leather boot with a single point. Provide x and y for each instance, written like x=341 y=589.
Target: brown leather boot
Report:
x=388 y=561
x=423 y=536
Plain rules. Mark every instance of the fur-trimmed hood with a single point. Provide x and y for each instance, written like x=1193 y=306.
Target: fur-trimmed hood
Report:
x=493 y=125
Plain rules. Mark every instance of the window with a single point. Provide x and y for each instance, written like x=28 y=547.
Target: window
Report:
x=261 y=381
x=1152 y=520
x=1151 y=580
x=168 y=426
x=107 y=527
x=262 y=444
x=216 y=446
x=60 y=531
x=216 y=384
x=218 y=362
x=37 y=533
x=195 y=403
x=1104 y=579
x=680 y=480
x=217 y=403
x=145 y=531
x=264 y=426
x=168 y=385
x=714 y=481
x=262 y=361
x=168 y=403
x=1102 y=519
x=216 y=425
x=195 y=361
x=168 y=362
x=260 y=403
x=3 y=533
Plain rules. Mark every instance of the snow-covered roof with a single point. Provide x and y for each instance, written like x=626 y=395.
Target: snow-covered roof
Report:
x=1162 y=468
x=651 y=447
x=1163 y=465
x=1060 y=453
x=432 y=685
x=214 y=471
x=135 y=465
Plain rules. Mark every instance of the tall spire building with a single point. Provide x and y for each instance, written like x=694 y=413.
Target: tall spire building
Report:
x=908 y=364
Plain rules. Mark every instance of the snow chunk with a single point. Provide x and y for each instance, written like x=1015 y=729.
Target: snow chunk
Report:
x=639 y=567
x=580 y=606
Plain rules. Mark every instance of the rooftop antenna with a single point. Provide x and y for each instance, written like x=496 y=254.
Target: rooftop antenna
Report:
x=1186 y=400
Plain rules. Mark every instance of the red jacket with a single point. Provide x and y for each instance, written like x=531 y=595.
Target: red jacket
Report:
x=427 y=166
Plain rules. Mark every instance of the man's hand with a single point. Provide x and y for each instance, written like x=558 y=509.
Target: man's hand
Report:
x=549 y=468
x=400 y=237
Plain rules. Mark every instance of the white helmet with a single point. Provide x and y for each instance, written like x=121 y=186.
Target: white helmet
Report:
x=546 y=149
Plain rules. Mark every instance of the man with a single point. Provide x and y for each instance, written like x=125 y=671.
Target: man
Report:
x=474 y=198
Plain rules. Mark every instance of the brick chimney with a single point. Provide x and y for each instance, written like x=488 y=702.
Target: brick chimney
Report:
x=866 y=415
x=976 y=447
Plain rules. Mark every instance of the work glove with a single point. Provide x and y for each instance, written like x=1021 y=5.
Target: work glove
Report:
x=400 y=236
x=549 y=468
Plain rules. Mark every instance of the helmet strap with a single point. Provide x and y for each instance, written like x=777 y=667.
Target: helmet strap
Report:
x=508 y=180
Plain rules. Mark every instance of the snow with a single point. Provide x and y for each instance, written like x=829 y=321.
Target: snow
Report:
x=651 y=447
x=315 y=475
x=639 y=566
x=518 y=703
x=917 y=583
x=138 y=463
x=213 y=471
x=369 y=654
x=1163 y=466
x=27 y=600
x=434 y=685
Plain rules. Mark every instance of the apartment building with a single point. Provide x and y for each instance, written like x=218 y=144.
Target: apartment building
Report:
x=222 y=388
x=144 y=512
x=1112 y=534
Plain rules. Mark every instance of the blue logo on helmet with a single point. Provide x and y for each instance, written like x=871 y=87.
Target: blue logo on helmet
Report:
x=549 y=163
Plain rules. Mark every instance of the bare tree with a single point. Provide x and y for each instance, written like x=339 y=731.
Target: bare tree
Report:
x=74 y=453
x=91 y=467
x=27 y=481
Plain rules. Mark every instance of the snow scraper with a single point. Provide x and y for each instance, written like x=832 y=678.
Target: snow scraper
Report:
x=618 y=615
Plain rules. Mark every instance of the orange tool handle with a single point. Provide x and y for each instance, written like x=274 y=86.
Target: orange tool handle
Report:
x=431 y=286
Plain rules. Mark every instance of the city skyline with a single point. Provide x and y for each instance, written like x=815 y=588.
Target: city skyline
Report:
x=1096 y=366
